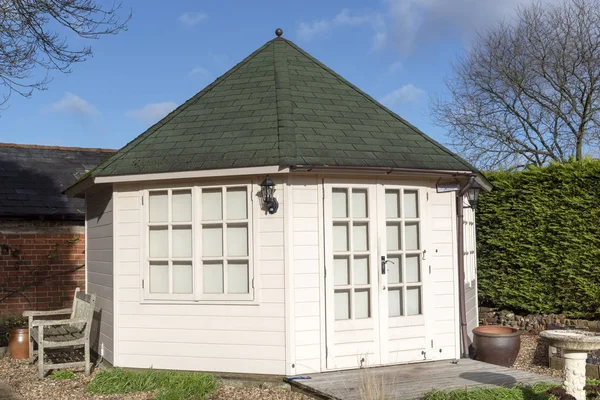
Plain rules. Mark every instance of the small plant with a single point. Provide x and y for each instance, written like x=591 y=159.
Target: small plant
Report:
x=62 y=374
x=7 y=323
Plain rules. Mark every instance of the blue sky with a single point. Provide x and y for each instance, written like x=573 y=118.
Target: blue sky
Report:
x=398 y=51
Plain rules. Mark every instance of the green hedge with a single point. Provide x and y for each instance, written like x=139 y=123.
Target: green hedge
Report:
x=538 y=240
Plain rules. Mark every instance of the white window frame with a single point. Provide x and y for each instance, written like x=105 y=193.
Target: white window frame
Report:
x=197 y=295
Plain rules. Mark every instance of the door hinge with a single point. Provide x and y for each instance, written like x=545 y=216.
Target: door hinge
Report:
x=432 y=344
x=142 y=200
x=252 y=283
x=325 y=272
x=430 y=270
x=427 y=195
x=326 y=351
x=142 y=283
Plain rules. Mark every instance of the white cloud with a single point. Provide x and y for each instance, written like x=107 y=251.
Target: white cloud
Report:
x=200 y=73
x=406 y=94
x=395 y=67
x=190 y=20
x=74 y=105
x=151 y=113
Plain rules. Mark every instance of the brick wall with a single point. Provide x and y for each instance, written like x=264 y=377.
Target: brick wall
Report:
x=42 y=262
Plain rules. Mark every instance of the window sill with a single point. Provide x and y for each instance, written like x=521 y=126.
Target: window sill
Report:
x=201 y=302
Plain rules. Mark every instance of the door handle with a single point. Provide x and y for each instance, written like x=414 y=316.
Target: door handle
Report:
x=383 y=262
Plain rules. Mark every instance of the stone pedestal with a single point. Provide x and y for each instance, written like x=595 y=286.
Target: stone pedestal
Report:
x=575 y=373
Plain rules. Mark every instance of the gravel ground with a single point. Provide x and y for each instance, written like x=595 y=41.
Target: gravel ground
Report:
x=22 y=378
x=533 y=357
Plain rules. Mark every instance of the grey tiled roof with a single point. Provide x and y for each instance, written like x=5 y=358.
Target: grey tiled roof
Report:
x=32 y=179
x=280 y=106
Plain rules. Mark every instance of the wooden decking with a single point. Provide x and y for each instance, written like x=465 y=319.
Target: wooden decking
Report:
x=413 y=380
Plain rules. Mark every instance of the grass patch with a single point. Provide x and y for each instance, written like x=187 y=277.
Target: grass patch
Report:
x=169 y=385
x=62 y=374
x=534 y=392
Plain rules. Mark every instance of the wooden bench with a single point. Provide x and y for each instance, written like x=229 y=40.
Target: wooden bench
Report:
x=58 y=333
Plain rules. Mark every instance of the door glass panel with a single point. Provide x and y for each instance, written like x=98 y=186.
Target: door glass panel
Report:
x=412 y=236
x=212 y=241
x=237 y=240
x=237 y=278
x=159 y=243
x=182 y=241
x=340 y=203
x=361 y=271
x=182 y=206
x=159 y=277
x=393 y=236
x=340 y=274
x=411 y=208
x=212 y=277
x=359 y=203
x=395 y=302
x=361 y=304
x=340 y=237
x=413 y=271
x=413 y=300
x=342 y=304
x=394 y=269
x=212 y=205
x=360 y=237
x=392 y=203
x=182 y=278
x=237 y=207
x=158 y=206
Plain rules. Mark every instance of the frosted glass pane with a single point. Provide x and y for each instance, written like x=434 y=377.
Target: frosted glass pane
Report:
x=360 y=237
x=159 y=278
x=340 y=237
x=182 y=278
x=413 y=301
x=237 y=277
x=158 y=206
x=181 y=240
x=361 y=304
x=159 y=243
x=340 y=203
x=411 y=209
x=237 y=240
x=394 y=270
x=342 y=305
x=182 y=206
x=340 y=271
x=212 y=277
x=395 y=302
x=212 y=205
x=413 y=272
x=412 y=236
x=392 y=203
x=393 y=237
x=361 y=271
x=359 y=203
x=237 y=205
x=212 y=241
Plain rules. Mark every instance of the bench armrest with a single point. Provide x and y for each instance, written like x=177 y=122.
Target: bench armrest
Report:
x=42 y=313
x=42 y=322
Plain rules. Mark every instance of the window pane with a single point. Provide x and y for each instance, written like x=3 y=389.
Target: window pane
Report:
x=182 y=206
x=361 y=304
x=394 y=270
x=360 y=237
x=413 y=301
x=212 y=277
x=361 y=271
x=159 y=278
x=237 y=278
x=237 y=205
x=340 y=203
x=342 y=305
x=237 y=240
x=392 y=203
x=211 y=205
x=410 y=204
x=412 y=236
x=395 y=302
x=182 y=278
x=181 y=240
x=158 y=206
x=413 y=272
x=340 y=237
x=393 y=237
x=212 y=241
x=340 y=271
x=159 y=242
x=359 y=203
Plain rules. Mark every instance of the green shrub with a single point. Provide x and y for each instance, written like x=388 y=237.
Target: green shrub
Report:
x=9 y=322
x=538 y=240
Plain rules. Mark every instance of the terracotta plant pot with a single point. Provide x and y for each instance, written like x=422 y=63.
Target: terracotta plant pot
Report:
x=495 y=344
x=18 y=343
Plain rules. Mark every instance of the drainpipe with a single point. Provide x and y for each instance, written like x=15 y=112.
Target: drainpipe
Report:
x=461 y=268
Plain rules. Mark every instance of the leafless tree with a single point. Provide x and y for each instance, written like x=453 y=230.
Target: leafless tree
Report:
x=33 y=39
x=527 y=92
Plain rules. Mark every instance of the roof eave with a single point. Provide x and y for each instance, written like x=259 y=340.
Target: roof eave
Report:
x=78 y=188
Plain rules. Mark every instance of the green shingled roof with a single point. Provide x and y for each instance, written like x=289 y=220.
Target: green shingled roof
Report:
x=280 y=106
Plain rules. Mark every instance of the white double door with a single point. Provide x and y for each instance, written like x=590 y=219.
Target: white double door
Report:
x=376 y=273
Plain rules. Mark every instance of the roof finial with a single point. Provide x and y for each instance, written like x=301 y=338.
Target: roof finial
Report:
x=279 y=32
